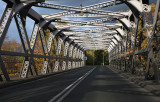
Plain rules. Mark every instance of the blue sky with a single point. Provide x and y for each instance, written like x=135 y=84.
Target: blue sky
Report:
x=13 y=33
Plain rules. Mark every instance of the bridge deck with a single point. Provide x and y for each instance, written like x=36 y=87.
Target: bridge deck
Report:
x=99 y=85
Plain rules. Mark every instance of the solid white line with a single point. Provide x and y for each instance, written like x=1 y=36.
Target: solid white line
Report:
x=62 y=97
x=69 y=88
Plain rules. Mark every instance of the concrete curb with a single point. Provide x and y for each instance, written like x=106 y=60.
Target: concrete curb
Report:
x=138 y=82
x=21 y=81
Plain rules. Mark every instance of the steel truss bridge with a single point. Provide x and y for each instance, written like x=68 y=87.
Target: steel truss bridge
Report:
x=122 y=39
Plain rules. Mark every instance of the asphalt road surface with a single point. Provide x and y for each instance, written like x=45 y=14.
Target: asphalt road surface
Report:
x=87 y=84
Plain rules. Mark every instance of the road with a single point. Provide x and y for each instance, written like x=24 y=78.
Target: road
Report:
x=88 y=84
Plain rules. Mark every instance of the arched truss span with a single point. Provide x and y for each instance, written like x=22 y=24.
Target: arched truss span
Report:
x=117 y=32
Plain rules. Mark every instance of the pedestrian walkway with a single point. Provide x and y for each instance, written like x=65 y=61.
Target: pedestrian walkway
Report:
x=150 y=85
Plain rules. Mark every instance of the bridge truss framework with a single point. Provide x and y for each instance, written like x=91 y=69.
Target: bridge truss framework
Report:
x=123 y=39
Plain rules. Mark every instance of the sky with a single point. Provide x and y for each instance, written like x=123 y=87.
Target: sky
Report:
x=13 y=32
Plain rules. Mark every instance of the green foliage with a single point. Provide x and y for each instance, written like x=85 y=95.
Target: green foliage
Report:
x=96 y=57
x=89 y=55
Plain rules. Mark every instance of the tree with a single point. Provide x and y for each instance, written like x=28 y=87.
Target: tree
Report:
x=98 y=57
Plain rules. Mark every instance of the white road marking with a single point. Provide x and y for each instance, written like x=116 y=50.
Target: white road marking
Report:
x=69 y=88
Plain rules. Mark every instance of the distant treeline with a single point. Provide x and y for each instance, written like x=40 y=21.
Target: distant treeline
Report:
x=96 y=57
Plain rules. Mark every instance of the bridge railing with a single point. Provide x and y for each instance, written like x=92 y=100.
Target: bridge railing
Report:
x=57 y=52
x=139 y=51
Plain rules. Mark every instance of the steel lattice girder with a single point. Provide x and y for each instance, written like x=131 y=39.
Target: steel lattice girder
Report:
x=97 y=34
x=124 y=21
